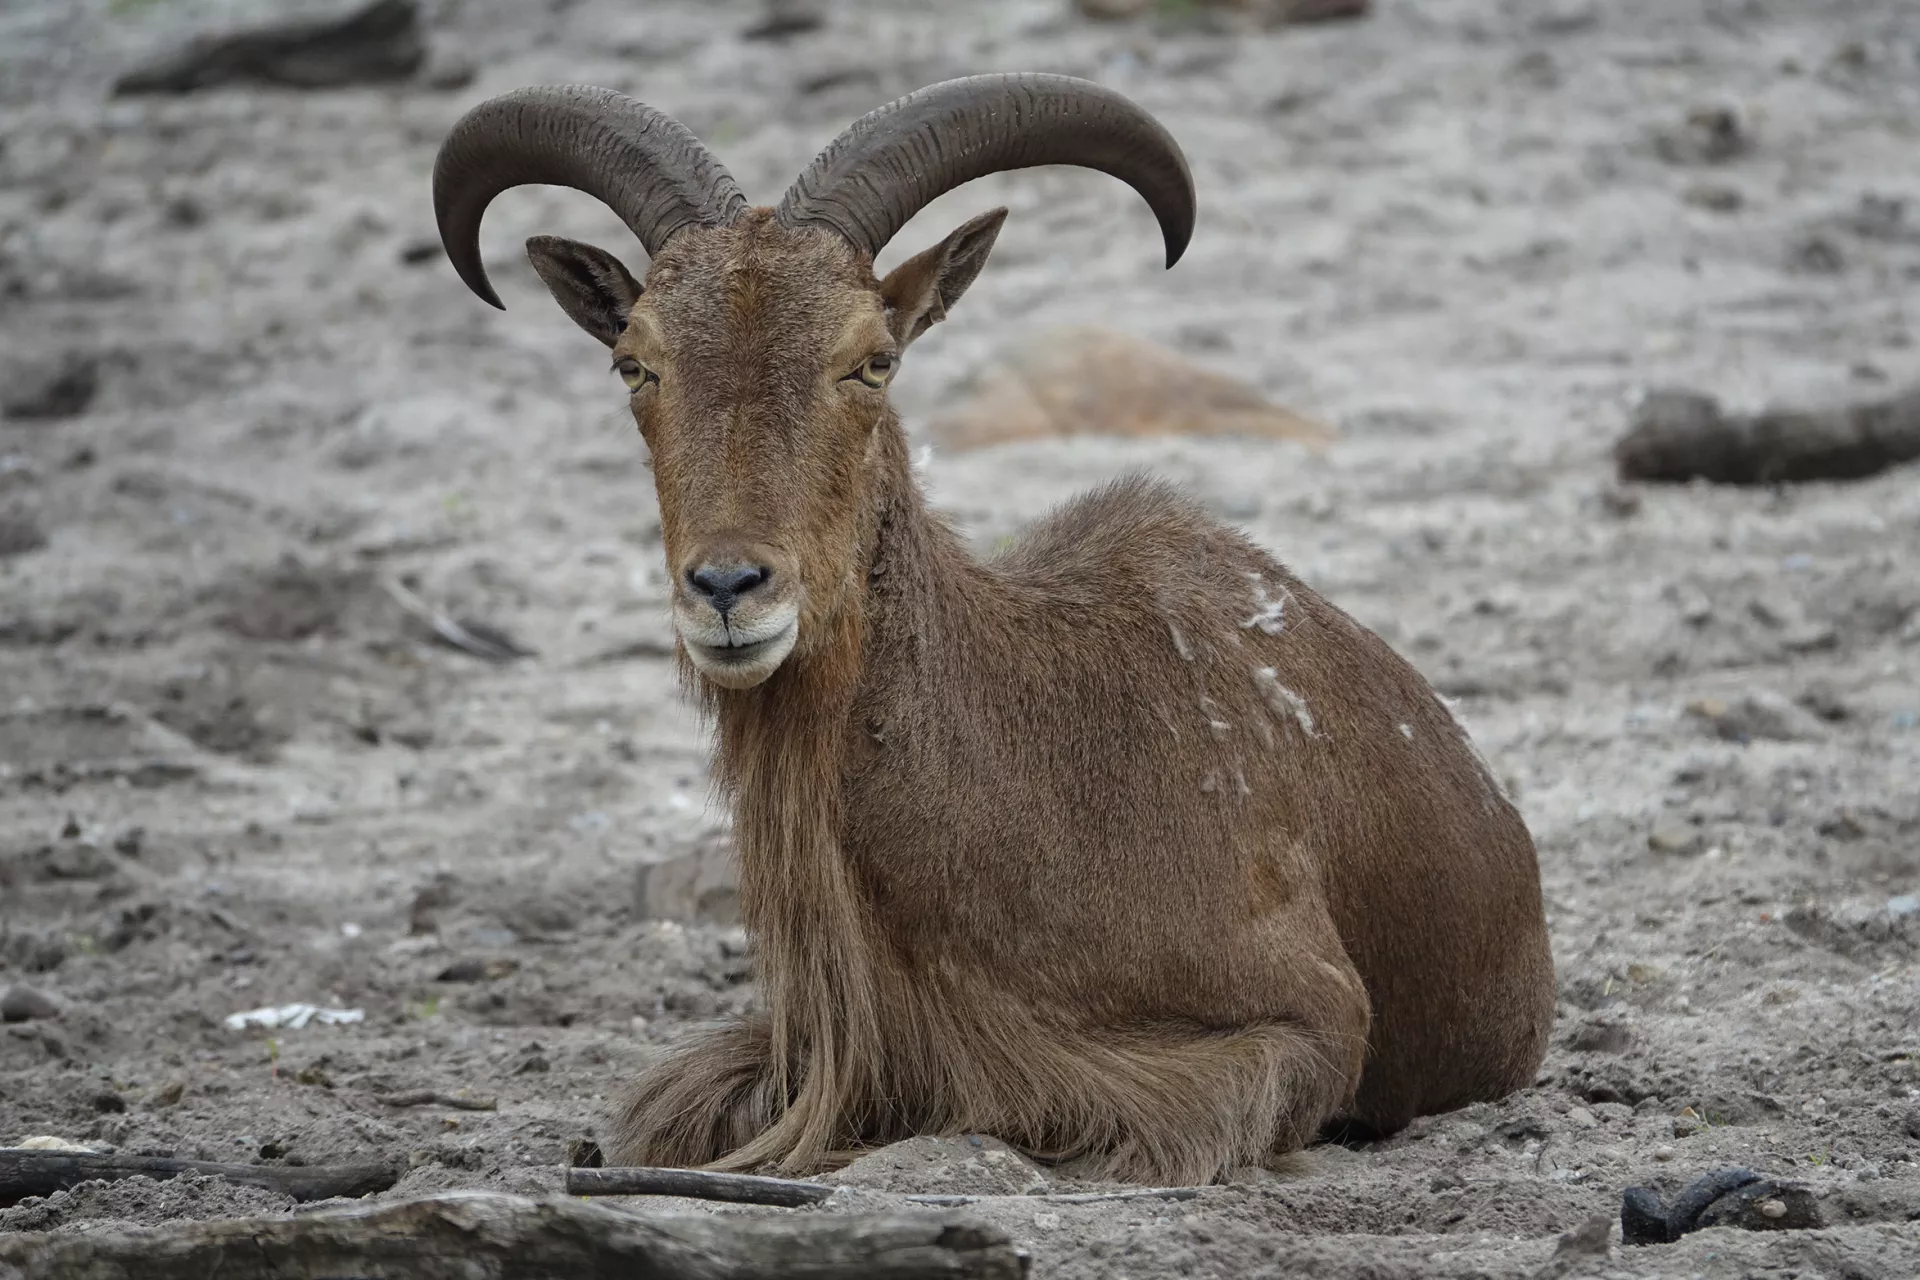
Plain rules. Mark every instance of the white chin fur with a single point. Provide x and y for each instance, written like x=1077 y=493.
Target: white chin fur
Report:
x=742 y=666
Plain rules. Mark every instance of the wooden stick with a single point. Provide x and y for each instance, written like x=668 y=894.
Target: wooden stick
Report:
x=1068 y=1197
x=695 y=1184
x=483 y=1236
x=742 y=1188
x=434 y=1098
x=26 y=1173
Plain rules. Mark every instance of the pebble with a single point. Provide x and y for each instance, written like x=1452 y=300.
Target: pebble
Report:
x=1663 y=1153
x=1757 y=714
x=1912 y=1121
x=24 y=1004
x=1670 y=836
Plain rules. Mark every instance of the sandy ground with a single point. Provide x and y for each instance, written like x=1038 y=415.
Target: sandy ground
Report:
x=234 y=773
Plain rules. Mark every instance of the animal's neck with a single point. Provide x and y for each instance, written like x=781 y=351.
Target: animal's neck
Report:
x=782 y=754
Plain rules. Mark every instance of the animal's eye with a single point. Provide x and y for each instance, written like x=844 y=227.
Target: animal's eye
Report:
x=877 y=370
x=633 y=373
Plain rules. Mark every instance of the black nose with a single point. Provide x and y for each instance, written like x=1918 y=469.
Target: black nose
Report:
x=724 y=584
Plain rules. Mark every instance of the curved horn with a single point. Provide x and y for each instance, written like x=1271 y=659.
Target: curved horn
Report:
x=890 y=163
x=641 y=163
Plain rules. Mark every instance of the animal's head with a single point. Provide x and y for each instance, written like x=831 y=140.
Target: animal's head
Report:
x=758 y=352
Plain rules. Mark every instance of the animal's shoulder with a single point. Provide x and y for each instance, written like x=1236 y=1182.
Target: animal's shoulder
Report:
x=1135 y=528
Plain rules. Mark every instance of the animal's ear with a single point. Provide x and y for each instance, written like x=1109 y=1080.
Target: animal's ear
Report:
x=919 y=290
x=589 y=284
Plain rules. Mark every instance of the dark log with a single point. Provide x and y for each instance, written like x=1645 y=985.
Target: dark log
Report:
x=1683 y=435
x=695 y=1184
x=482 y=1236
x=25 y=1172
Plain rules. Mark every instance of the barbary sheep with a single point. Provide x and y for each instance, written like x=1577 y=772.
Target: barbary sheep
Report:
x=1124 y=846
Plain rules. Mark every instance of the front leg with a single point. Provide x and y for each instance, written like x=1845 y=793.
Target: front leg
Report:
x=710 y=1095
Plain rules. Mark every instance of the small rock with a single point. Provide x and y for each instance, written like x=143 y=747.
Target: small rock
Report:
x=108 y=1102
x=62 y=390
x=1575 y=1250
x=474 y=970
x=1763 y=1206
x=1709 y=135
x=1818 y=256
x=783 y=19
x=1663 y=1153
x=1713 y=197
x=1757 y=714
x=1911 y=1122
x=536 y=1065
x=1841 y=826
x=1620 y=502
x=20 y=534
x=1825 y=701
x=168 y=1093
x=1599 y=1035
x=24 y=1004
x=1672 y=836
x=449 y=75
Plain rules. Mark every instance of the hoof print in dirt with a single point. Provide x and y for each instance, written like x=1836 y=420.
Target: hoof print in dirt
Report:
x=378 y=42
x=1731 y=1197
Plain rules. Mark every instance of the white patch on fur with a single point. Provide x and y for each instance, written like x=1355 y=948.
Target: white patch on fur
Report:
x=1210 y=784
x=922 y=460
x=1180 y=645
x=1211 y=710
x=1406 y=731
x=1269 y=612
x=1283 y=701
x=1240 y=783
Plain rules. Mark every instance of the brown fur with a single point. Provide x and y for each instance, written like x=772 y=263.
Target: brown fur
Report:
x=1125 y=846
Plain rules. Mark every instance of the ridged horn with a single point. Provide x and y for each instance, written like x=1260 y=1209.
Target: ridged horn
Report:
x=891 y=162
x=641 y=163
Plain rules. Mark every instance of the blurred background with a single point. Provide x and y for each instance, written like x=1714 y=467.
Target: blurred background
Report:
x=335 y=665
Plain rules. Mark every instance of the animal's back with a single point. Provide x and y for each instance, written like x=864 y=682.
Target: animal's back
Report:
x=1184 y=750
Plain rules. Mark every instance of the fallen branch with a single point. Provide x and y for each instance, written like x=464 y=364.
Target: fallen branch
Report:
x=1683 y=435
x=695 y=1184
x=482 y=1236
x=26 y=1173
x=744 y=1188
x=1068 y=1197
x=471 y=637
x=434 y=1098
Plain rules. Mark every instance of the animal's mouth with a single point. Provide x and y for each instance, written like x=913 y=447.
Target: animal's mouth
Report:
x=741 y=657
x=742 y=651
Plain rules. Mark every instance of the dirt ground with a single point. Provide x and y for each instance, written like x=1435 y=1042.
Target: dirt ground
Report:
x=235 y=773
